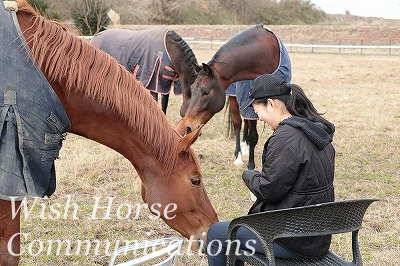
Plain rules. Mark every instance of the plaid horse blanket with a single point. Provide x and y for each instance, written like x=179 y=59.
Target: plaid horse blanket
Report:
x=144 y=54
x=241 y=89
x=32 y=120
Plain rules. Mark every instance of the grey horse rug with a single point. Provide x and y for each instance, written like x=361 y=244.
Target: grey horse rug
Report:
x=33 y=122
x=142 y=53
x=241 y=89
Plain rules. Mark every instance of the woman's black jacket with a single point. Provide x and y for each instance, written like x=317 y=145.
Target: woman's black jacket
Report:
x=297 y=170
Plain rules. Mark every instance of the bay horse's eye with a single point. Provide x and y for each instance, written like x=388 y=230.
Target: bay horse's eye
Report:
x=205 y=91
x=195 y=181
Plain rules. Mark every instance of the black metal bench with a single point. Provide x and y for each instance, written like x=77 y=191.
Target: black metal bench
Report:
x=314 y=220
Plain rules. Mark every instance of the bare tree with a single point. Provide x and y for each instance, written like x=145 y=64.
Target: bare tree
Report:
x=90 y=16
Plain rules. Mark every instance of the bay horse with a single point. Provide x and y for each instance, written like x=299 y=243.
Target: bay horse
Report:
x=158 y=57
x=99 y=100
x=245 y=56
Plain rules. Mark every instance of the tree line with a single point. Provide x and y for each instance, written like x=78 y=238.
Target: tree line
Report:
x=91 y=15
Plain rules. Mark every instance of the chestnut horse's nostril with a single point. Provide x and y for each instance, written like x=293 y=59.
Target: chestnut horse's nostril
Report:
x=188 y=130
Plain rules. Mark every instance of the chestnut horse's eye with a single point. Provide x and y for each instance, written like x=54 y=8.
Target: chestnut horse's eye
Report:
x=195 y=181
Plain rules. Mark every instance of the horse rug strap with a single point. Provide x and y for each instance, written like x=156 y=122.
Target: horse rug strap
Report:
x=33 y=122
x=143 y=53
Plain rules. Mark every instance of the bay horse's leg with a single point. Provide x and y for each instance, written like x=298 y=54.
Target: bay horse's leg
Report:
x=245 y=130
x=155 y=95
x=245 y=142
x=236 y=121
x=164 y=102
x=9 y=226
x=252 y=140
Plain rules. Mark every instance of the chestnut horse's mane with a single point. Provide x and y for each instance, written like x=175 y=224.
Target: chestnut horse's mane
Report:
x=117 y=88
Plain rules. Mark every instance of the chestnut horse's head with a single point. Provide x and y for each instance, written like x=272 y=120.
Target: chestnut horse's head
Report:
x=121 y=114
x=207 y=98
x=178 y=195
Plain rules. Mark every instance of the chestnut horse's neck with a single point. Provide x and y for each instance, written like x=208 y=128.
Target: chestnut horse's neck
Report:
x=114 y=110
x=182 y=58
x=245 y=56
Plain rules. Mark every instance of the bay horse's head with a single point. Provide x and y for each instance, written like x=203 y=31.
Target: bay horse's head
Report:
x=245 y=56
x=179 y=197
x=207 y=98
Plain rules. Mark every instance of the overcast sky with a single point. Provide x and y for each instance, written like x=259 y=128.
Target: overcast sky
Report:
x=367 y=8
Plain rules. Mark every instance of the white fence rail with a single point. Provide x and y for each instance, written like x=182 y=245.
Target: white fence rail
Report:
x=313 y=48
x=340 y=48
x=297 y=47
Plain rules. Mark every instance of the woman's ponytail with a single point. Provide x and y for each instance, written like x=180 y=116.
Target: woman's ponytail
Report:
x=298 y=104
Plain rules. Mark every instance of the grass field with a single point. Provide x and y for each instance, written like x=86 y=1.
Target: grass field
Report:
x=359 y=93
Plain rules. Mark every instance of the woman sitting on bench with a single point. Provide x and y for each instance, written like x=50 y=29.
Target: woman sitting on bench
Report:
x=297 y=168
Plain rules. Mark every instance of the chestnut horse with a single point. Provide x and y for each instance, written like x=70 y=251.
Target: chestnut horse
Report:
x=158 y=57
x=245 y=56
x=102 y=102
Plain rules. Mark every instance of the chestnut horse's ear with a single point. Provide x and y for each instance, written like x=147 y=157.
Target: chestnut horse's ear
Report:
x=189 y=139
x=196 y=67
x=180 y=127
x=207 y=69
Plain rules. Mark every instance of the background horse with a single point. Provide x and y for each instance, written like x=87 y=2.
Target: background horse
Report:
x=245 y=56
x=159 y=58
x=101 y=101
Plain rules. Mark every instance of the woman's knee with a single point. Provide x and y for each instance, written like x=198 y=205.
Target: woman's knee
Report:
x=217 y=231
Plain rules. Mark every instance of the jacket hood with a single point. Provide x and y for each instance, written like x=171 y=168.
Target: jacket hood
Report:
x=318 y=133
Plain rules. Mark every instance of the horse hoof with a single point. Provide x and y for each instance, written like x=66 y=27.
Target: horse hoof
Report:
x=238 y=161
x=244 y=148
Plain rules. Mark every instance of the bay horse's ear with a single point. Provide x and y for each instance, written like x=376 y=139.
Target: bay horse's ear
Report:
x=207 y=69
x=196 y=67
x=189 y=139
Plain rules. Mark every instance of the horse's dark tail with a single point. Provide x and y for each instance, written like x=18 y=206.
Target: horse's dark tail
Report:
x=230 y=133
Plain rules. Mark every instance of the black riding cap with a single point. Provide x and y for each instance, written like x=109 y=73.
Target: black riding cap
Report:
x=266 y=86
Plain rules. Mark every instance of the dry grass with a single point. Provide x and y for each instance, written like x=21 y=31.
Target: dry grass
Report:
x=358 y=93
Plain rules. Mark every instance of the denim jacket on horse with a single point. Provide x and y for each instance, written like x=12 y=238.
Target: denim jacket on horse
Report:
x=33 y=122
